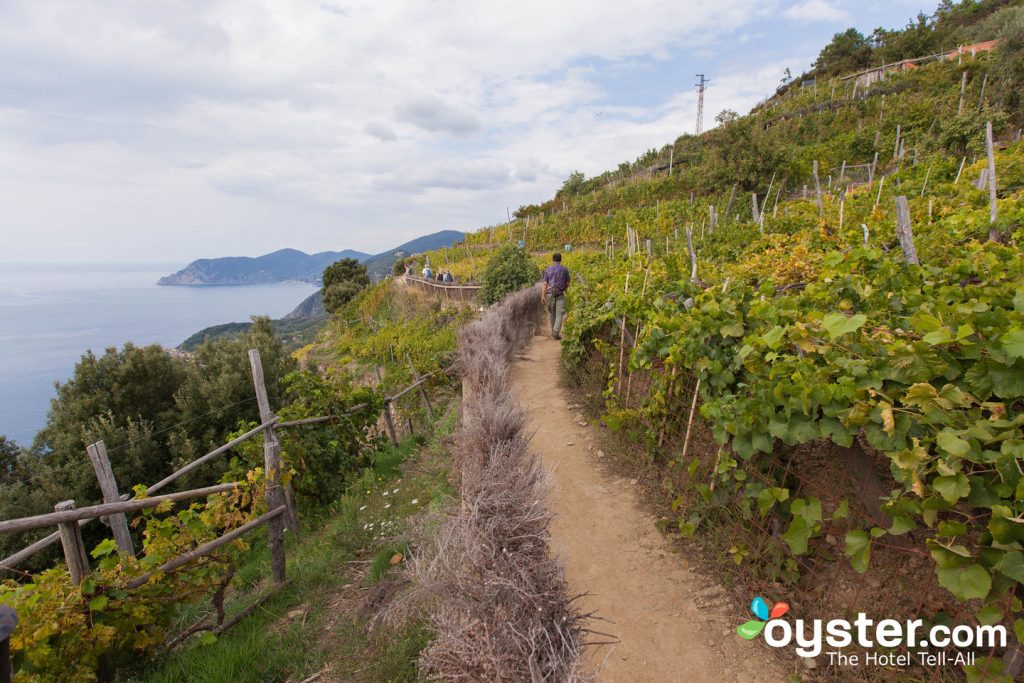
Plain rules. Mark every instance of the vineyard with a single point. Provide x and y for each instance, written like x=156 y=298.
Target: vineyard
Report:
x=830 y=391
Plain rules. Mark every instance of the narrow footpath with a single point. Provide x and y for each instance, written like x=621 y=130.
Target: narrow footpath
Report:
x=672 y=624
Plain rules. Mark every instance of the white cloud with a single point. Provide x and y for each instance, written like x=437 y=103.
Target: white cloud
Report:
x=816 y=10
x=183 y=126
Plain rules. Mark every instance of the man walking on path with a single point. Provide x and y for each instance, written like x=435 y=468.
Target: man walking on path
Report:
x=556 y=281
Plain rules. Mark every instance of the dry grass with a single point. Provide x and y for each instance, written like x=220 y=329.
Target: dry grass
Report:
x=499 y=602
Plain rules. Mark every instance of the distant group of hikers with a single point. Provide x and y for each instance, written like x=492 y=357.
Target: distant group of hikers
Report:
x=441 y=276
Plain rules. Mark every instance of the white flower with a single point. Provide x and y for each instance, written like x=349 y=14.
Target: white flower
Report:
x=385 y=493
x=362 y=508
x=396 y=491
x=415 y=500
x=387 y=506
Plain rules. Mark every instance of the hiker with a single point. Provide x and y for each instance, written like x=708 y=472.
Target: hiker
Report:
x=428 y=274
x=448 y=277
x=552 y=293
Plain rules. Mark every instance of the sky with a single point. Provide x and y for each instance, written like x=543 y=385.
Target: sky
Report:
x=170 y=130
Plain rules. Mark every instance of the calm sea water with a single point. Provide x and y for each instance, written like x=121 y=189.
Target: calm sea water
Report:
x=49 y=316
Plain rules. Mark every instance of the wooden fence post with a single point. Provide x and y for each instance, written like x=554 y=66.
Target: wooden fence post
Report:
x=423 y=391
x=74 y=547
x=389 y=420
x=108 y=485
x=904 y=231
x=272 y=464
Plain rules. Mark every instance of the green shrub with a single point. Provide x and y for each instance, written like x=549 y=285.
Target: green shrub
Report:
x=510 y=269
x=342 y=281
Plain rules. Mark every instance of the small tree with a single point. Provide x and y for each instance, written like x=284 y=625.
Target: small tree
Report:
x=508 y=270
x=342 y=281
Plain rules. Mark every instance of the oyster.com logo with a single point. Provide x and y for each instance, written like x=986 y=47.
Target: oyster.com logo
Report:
x=930 y=644
x=752 y=629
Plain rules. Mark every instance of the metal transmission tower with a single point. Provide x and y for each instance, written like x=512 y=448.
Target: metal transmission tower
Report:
x=701 y=84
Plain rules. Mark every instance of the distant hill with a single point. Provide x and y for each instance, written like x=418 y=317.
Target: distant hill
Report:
x=302 y=323
x=292 y=265
x=379 y=266
x=284 y=265
x=311 y=307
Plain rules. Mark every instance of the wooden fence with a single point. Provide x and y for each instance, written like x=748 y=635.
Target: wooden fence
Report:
x=450 y=292
x=281 y=512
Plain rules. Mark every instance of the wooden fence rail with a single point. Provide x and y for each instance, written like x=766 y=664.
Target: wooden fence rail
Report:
x=461 y=293
x=10 y=526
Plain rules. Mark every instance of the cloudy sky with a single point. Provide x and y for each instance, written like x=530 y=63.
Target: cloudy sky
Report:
x=168 y=130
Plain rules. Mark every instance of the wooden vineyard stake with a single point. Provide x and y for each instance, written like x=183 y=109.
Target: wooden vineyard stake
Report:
x=961 y=170
x=963 y=91
x=693 y=254
x=842 y=203
x=905 y=232
x=622 y=338
x=689 y=422
x=636 y=335
x=817 y=188
x=778 y=192
x=728 y=204
x=664 y=418
x=993 y=207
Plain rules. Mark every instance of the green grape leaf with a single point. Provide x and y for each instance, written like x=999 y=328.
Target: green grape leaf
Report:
x=838 y=324
x=967 y=582
x=858 y=549
x=952 y=488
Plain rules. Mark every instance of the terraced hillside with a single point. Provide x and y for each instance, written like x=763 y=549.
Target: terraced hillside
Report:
x=833 y=410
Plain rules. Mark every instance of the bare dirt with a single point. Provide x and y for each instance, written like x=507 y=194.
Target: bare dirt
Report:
x=671 y=622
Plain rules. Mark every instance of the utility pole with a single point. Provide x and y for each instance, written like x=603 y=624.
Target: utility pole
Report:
x=701 y=85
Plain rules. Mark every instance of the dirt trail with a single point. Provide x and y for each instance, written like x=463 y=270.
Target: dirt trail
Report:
x=672 y=623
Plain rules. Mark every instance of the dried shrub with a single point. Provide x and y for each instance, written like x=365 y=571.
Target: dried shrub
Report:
x=499 y=601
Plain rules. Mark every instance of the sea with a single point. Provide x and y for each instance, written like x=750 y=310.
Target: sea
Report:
x=50 y=315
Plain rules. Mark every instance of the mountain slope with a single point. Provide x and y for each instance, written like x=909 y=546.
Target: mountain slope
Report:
x=283 y=265
x=379 y=266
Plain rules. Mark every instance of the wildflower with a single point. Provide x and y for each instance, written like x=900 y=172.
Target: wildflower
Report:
x=395 y=491
x=387 y=506
x=385 y=493
x=415 y=500
x=362 y=508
